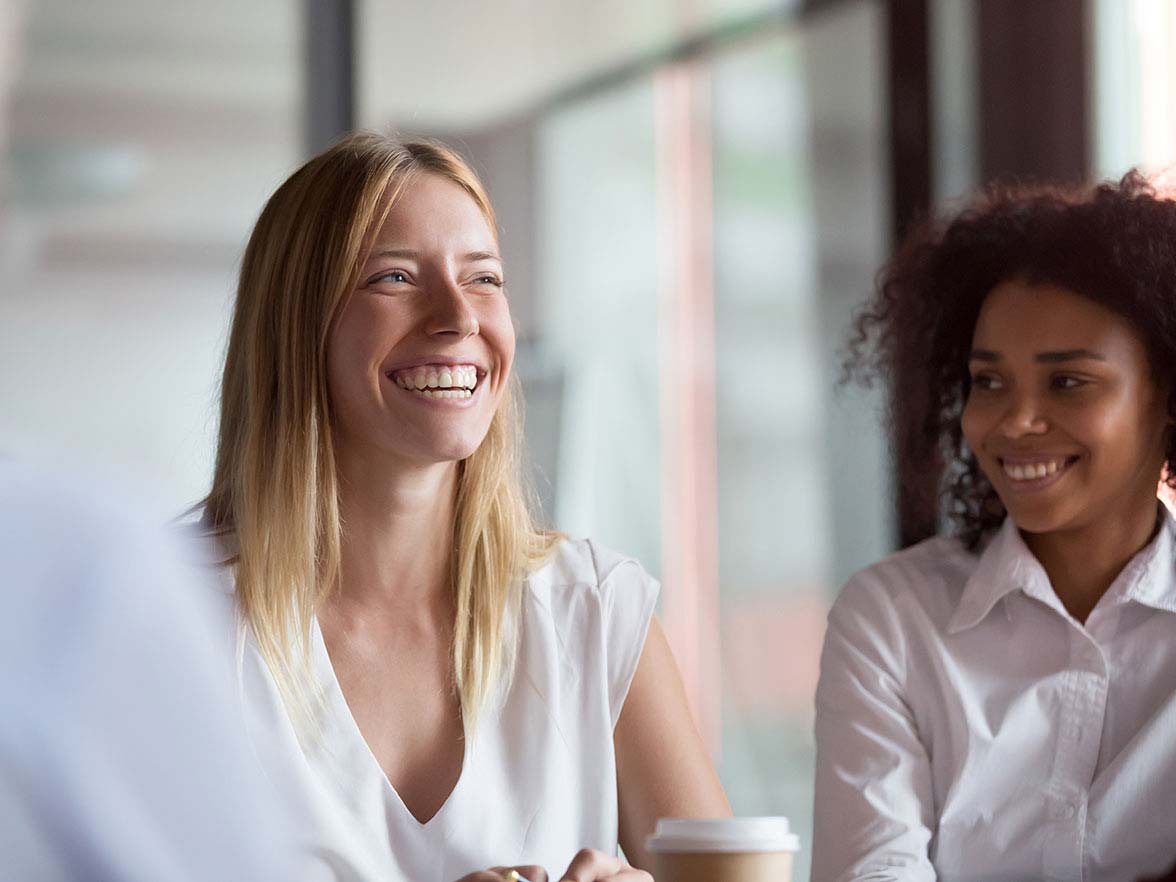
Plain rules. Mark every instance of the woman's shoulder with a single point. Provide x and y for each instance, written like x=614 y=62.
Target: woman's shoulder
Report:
x=595 y=604
x=584 y=580
x=586 y=564
x=923 y=580
x=210 y=553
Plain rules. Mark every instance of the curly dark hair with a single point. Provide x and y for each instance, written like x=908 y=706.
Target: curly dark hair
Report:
x=1115 y=244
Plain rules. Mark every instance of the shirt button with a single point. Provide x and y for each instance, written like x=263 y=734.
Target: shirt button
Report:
x=1068 y=811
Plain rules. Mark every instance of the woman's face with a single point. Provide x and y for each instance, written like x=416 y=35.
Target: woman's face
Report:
x=419 y=357
x=1064 y=414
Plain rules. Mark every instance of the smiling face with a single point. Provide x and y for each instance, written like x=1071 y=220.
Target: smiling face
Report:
x=1064 y=414
x=419 y=357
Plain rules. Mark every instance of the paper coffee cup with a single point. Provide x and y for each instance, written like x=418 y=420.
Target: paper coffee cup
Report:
x=723 y=850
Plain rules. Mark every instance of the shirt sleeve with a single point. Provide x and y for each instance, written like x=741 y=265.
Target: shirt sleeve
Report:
x=874 y=810
x=628 y=595
x=122 y=754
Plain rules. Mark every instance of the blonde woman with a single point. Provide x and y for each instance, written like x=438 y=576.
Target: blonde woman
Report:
x=443 y=686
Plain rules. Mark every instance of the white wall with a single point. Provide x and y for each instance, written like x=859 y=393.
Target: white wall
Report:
x=117 y=370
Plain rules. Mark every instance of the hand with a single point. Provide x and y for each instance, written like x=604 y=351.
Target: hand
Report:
x=590 y=865
x=500 y=874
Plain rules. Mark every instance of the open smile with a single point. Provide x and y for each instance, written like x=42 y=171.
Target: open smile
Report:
x=449 y=382
x=1035 y=473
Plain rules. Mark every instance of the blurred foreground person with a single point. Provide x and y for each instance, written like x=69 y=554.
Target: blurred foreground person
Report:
x=999 y=702
x=445 y=686
x=122 y=751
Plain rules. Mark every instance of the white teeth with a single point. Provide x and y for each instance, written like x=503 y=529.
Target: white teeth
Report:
x=462 y=378
x=445 y=393
x=1033 y=471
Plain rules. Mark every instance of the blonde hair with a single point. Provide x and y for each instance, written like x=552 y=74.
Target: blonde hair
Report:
x=275 y=485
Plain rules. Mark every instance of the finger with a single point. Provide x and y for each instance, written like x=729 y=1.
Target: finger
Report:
x=629 y=874
x=590 y=865
x=528 y=873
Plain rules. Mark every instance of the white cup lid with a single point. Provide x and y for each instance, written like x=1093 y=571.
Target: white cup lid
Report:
x=723 y=834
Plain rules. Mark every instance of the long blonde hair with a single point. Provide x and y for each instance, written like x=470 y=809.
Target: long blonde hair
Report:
x=275 y=487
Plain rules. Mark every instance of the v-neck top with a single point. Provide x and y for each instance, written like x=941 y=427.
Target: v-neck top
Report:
x=538 y=781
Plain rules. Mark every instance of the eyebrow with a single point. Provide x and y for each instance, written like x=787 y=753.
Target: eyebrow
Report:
x=1044 y=357
x=395 y=252
x=413 y=254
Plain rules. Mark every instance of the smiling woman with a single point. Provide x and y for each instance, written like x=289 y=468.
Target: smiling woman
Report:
x=1071 y=426
x=419 y=359
x=999 y=702
x=438 y=685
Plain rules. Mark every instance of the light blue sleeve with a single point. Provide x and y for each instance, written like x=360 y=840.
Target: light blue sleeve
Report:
x=122 y=750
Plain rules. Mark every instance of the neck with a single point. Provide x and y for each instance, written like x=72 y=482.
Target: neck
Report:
x=1083 y=563
x=397 y=534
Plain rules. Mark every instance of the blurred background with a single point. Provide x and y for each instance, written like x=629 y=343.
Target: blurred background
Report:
x=693 y=196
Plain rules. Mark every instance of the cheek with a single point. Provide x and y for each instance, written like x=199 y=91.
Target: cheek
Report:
x=362 y=335
x=1127 y=430
x=498 y=330
x=1106 y=428
x=336 y=363
x=340 y=385
x=973 y=424
x=348 y=346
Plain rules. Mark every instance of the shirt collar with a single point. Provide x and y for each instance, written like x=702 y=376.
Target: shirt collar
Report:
x=1150 y=578
x=1007 y=565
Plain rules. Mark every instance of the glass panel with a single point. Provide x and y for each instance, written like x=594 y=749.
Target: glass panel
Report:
x=596 y=318
x=799 y=214
x=1134 y=87
x=954 y=101
x=793 y=206
x=143 y=139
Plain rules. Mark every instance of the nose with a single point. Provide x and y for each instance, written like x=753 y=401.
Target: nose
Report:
x=451 y=313
x=1023 y=416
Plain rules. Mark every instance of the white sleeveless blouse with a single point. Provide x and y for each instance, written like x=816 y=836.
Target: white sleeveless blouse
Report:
x=539 y=777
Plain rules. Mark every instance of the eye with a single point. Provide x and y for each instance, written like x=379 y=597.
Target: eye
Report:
x=986 y=382
x=489 y=279
x=395 y=277
x=1065 y=381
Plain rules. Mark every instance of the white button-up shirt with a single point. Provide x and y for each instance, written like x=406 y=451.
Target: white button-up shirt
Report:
x=969 y=728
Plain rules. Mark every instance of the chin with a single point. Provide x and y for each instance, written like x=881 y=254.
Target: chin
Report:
x=1040 y=520
x=431 y=445
x=1036 y=526
x=458 y=455
x=450 y=451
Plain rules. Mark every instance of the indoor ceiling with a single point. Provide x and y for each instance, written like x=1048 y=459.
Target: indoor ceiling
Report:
x=157 y=127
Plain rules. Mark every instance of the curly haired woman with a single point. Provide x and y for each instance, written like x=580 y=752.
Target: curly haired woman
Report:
x=999 y=702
